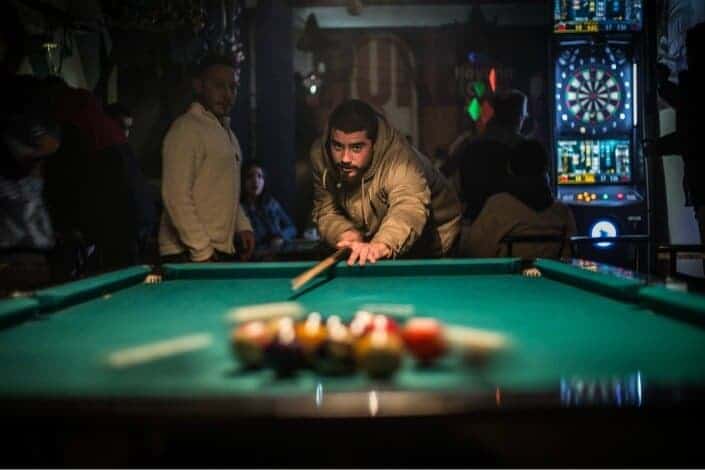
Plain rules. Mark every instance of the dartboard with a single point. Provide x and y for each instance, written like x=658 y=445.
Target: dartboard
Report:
x=593 y=95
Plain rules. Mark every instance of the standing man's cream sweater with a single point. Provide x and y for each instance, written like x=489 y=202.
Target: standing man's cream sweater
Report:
x=201 y=187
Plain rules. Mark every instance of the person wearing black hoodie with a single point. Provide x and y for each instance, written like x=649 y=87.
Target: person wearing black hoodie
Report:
x=525 y=206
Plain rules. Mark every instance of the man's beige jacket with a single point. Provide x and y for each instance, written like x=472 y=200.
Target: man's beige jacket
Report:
x=400 y=200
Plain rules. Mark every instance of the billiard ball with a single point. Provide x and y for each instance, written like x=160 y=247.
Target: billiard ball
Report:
x=425 y=339
x=335 y=355
x=365 y=322
x=360 y=322
x=383 y=322
x=379 y=353
x=249 y=341
x=310 y=334
x=284 y=353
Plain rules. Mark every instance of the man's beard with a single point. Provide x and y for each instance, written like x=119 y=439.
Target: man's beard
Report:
x=347 y=177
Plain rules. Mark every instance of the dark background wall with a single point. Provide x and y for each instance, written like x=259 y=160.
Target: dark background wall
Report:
x=275 y=117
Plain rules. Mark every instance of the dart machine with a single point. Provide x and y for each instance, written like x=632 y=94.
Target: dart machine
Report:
x=596 y=140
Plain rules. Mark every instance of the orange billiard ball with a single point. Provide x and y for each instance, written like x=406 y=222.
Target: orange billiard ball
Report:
x=310 y=334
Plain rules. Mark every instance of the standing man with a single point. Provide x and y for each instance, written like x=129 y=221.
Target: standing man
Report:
x=202 y=217
x=376 y=194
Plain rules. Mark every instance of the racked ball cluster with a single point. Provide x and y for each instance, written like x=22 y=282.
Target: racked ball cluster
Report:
x=371 y=342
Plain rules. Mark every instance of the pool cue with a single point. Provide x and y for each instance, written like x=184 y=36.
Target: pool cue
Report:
x=309 y=274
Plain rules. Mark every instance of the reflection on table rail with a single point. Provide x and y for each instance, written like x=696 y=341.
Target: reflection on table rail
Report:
x=615 y=391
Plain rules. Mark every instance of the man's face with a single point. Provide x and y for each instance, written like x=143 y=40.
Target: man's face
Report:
x=216 y=89
x=351 y=153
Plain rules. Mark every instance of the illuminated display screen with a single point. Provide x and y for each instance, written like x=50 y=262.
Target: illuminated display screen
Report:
x=593 y=16
x=605 y=161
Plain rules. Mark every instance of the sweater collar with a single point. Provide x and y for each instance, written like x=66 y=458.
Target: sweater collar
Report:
x=200 y=110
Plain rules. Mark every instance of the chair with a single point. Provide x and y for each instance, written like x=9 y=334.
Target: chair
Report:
x=561 y=239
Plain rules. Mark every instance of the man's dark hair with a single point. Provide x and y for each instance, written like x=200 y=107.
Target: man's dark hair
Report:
x=211 y=60
x=529 y=158
x=354 y=116
x=508 y=106
x=117 y=110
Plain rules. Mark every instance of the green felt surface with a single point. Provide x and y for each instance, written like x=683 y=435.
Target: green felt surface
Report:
x=559 y=330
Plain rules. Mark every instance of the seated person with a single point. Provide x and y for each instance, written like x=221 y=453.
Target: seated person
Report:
x=270 y=223
x=27 y=137
x=375 y=194
x=90 y=183
x=482 y=161
x=524 y=207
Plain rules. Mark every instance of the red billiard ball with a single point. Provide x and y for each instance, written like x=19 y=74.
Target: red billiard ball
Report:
x=425 y=339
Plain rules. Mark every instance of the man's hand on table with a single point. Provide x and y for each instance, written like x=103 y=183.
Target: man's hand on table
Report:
x=362 y=252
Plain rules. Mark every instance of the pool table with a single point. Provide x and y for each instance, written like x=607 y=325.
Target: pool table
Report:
x=603 y=368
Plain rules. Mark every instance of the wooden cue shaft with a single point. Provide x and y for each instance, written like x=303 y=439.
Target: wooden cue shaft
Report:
x=309 y=274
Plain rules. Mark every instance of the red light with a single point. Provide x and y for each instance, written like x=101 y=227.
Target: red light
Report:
x=620 y=196
x=493 y=79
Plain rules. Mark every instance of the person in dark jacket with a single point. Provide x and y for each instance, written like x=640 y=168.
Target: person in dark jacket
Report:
x=270 y=222
x=482 y=161
x=523 y=205
x=93 y=183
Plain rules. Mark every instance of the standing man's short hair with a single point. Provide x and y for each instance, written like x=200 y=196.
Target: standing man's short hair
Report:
x=353 y=116
x=509 y=107
x=211 y=60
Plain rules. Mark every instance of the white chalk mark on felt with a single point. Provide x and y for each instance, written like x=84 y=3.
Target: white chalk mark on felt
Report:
x=159 y=350
x=267 y=311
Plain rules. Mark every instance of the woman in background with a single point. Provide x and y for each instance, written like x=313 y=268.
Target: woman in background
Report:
x=271 y=224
